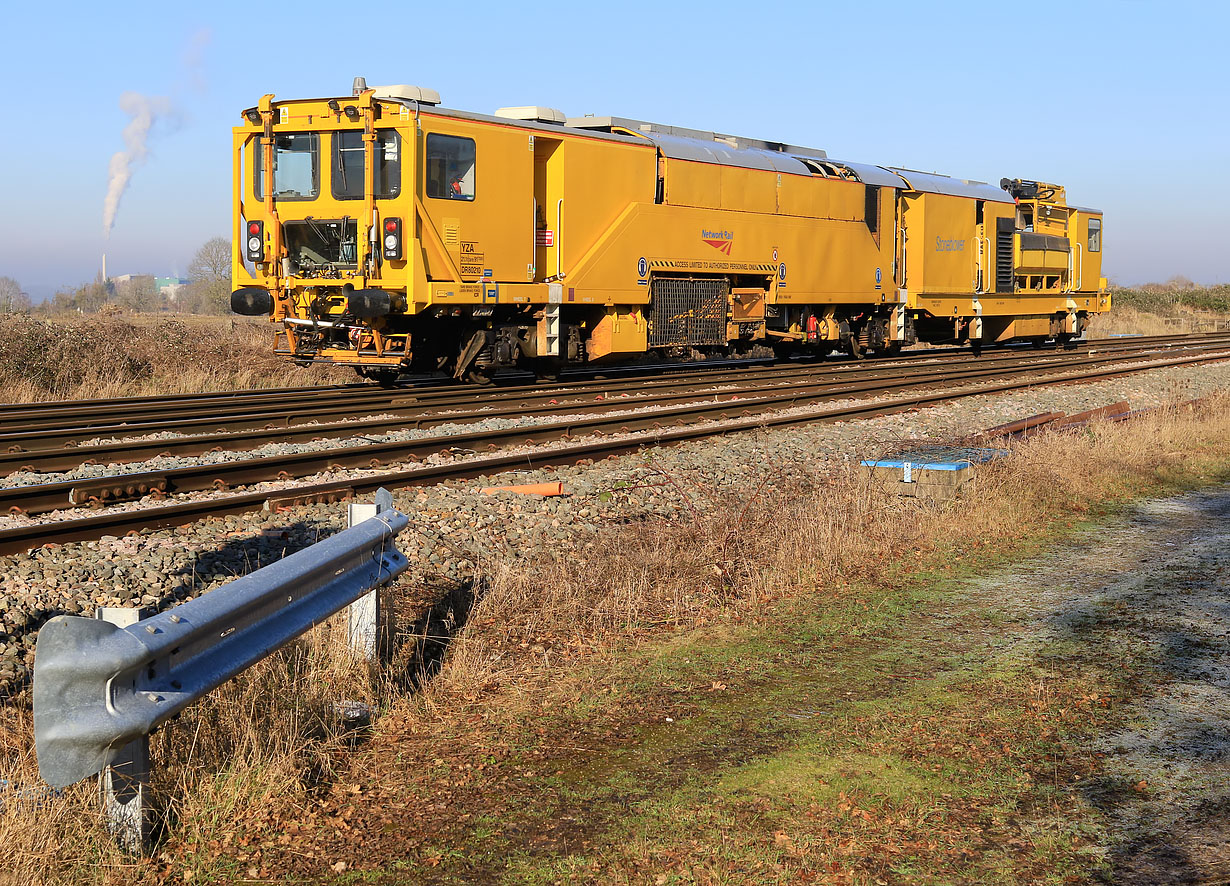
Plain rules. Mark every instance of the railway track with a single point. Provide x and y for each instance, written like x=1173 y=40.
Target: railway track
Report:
x=232 y=410
x=52 y=450
x=676 y=417
x=69 y=424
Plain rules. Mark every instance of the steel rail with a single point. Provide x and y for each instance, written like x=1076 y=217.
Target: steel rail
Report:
x=410 y=412
x=416 y=417
x=24 y=537
x=175 y=404
x=111 y=402
x=47 y=497
x=154 y=416
x=119 y=412
x=50 y=433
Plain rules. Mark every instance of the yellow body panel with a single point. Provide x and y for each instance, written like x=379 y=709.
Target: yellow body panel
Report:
x=941 y=244
x=748 y=190
x=620 y=331
x=1039 y=261
x=824 y=261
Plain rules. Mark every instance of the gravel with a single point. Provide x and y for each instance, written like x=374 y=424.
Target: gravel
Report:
x=456 y=529
x=1149 y=591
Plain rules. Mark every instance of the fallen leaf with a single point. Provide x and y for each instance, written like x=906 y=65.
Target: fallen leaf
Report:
x=338 y=867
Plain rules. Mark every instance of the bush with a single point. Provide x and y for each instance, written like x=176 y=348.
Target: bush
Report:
x=117 y=354
x=1175 y=297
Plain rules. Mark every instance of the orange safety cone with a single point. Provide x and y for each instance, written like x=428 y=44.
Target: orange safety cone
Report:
x=545 y=489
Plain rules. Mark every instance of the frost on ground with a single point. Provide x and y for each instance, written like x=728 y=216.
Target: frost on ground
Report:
x=1151 y=594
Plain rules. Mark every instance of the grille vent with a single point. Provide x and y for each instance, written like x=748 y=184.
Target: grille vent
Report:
x=687 y=311
x=1005 y=230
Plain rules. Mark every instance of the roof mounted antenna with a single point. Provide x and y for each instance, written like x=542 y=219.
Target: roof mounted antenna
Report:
x=359 y=86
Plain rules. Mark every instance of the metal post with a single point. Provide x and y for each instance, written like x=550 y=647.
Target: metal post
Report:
x=124 y=785
x=364 y=614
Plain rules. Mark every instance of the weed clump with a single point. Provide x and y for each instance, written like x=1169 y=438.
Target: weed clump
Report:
x=117 y=355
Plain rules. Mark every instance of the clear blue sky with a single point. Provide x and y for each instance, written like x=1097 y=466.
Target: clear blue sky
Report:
x=1122 y=101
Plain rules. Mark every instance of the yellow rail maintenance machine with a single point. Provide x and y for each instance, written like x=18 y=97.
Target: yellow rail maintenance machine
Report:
x=384 y=232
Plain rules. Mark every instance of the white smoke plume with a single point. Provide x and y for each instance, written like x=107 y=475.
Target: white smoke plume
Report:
x=145 y=111
x=193 y=59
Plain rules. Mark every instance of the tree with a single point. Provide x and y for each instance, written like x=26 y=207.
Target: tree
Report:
x=137 y=293
x=212 y=261
x=12 y=299
x=210 y=273
x=87 y=299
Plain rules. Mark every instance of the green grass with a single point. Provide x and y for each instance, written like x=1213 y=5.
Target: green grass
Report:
x=809 y=747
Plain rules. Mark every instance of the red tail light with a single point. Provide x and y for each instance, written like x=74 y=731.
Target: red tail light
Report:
x=392 y=238
x=255 y=243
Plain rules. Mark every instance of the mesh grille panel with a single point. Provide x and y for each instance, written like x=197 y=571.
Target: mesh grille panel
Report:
x=687 y=312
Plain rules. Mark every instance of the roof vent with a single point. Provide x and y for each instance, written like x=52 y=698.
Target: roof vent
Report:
x=532 y=113
x=408 y=93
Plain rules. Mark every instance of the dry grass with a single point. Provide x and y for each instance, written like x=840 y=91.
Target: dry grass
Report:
x=269 y=734
x=1130 y=321
x=825 y=533
x=122 y=355
x=1126 y=319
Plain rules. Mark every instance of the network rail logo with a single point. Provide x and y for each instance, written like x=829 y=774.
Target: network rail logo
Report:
x=719 y=240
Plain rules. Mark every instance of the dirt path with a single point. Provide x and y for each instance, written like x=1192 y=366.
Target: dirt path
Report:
x=1149 y=596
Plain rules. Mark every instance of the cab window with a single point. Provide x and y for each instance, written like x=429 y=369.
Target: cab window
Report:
x=296 y=167
x=348 y=173
x=450 y=167
x=1095 y=235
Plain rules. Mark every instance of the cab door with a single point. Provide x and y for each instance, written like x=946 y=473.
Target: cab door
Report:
x=548 y=207
x=477 y=190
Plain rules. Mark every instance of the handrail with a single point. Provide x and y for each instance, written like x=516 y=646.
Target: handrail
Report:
x=982 y=260
x=977 y=260
x=988 y=271
x=559 y=239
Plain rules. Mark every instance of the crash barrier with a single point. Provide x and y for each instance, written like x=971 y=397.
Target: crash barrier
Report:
x=101 y=688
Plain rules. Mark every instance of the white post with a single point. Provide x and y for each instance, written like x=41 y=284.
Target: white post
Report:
x=364 y=614
x=124 y=785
